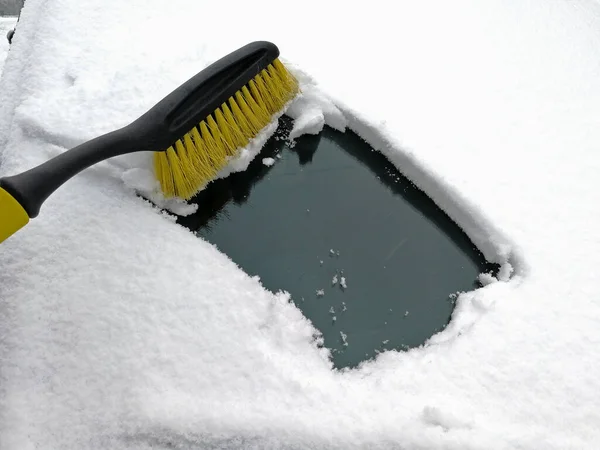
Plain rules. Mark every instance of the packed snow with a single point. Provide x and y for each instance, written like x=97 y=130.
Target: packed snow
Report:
x=122 y=330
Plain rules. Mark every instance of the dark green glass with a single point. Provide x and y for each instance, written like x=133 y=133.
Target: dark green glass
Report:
x=332 y=207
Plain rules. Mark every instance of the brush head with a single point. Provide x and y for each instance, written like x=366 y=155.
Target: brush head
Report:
x=213 y=115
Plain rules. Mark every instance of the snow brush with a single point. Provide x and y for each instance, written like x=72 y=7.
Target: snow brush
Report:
x=194 y=131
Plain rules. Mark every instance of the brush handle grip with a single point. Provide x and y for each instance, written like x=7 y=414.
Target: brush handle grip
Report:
x=33 y=187
x=12 y=215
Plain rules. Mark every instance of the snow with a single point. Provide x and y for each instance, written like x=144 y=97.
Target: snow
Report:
x=487 y=278
x=6 y=24
x=344 y=337
x=312 y=110
x=122 y=330
x=268 y=161
x=143 y=181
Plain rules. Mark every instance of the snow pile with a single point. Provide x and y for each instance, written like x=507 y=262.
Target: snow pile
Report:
x=122 y=330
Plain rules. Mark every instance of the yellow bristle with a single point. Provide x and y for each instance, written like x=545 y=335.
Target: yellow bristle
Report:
x=258 y=109
x=227 y=132
x=274 y=87
x=213 y=149
x=258 y=98
x=163 y=172
x=185 y=185
x=239 y=119
x=198 y=166
x=290 y=82
x=203 y=163
x=249 y=115
x=219 y=136
x=174 y=162
x=264 y=92
x=237 y=135
x=196 y=158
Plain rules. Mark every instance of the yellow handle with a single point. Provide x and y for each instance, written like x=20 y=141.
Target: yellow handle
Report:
x=12 y=215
